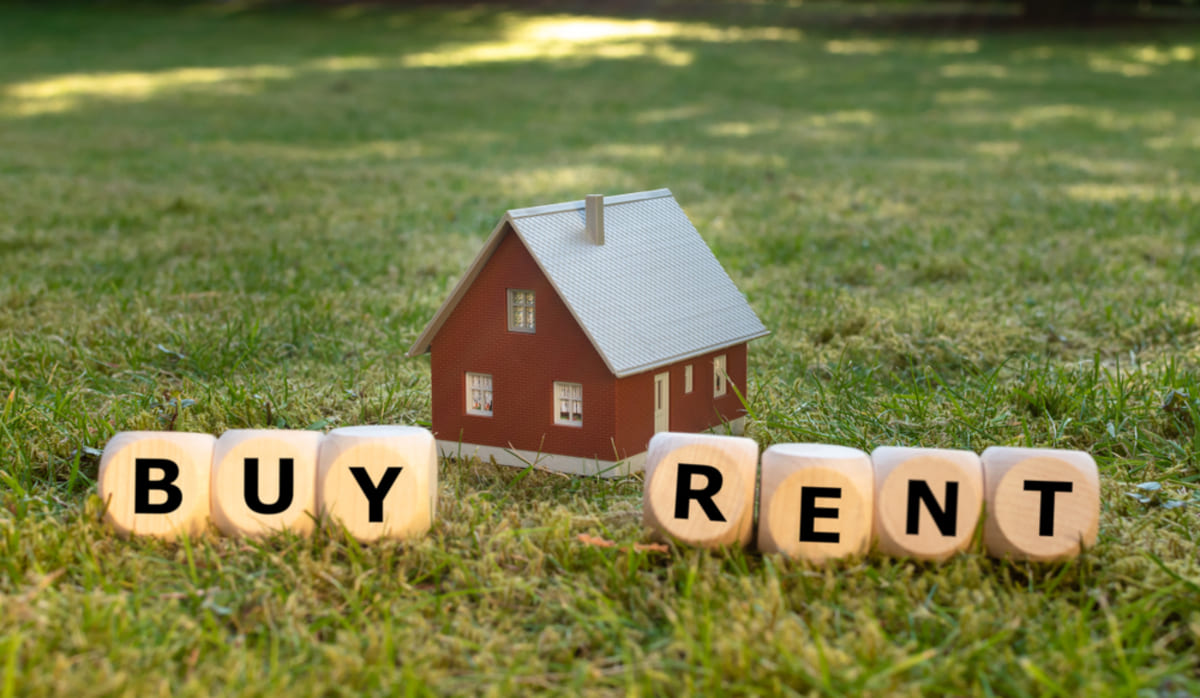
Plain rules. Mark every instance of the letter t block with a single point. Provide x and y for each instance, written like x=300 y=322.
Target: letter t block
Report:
x=700 y=488
x=378 y=481
x=1042 y=504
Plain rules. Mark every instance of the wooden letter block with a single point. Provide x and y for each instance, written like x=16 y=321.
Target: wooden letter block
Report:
x=815 y=501
x=264 y=480
x=1042 y=504
x=156 y=483
x=927 y=501
x=700 y=488
x=378 y=481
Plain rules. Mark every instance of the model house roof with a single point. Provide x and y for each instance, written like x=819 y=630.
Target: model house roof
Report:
x=648 y=294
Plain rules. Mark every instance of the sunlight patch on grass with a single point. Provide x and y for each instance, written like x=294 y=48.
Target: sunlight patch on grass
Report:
x=1098 y=191
x=1101 y=117
x=1107 y=64
x=974 y=70
x=859 y=47
x=972 y=95
x=997 y=148
x=564 y=38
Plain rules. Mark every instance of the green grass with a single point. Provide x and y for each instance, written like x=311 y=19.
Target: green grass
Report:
x=213 y=219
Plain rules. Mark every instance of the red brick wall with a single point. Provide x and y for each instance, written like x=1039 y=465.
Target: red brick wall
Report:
x=523 y=366
x=695 y=411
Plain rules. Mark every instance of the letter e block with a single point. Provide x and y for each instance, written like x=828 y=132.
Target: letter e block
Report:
x=378 y=481
x=700 y=488
x=1042 y=504
x=265 y=480
x=815 y=501
x=927 y=501
x=156 y=483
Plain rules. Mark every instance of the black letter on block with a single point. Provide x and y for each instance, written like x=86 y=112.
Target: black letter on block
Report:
x=945 y=519
x=375 y=495
x=287 y=480
x=142 y=484
x=809 y=513
x=704 y=497
x=1047 y=488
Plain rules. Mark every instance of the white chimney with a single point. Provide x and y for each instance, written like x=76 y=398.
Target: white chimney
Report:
x=594 y=210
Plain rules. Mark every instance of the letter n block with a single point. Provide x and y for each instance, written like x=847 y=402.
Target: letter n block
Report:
x=264 y=480
x=1042 y=504
x=927 y=501
x=700 y=488
x=156 y=483
x=378 y=481
x=815 y=501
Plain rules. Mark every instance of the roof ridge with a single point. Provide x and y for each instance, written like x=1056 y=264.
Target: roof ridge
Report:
x=578 y=205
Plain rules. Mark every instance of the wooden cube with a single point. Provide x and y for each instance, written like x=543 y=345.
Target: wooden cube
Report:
x=378 y=481
x=1042 y=504
x=264 y=480
x=700 y=488
x=156 y=483
x=815 y=501
x=927 y=501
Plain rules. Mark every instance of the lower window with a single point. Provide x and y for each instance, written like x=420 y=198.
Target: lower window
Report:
x=479 y=394
x=568 y=403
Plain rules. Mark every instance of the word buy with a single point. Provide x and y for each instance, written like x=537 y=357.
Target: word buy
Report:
x=818 y=501
x=378 y=481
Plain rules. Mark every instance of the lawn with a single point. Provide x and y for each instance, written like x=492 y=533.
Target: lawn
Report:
x=213 y=219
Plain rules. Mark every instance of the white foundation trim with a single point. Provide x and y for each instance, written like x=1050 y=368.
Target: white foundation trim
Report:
x=573 y=465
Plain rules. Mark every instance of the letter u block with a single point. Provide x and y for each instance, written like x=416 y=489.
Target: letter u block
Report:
x=1042 y=504
x=700 y=488
x=378 y=481
x=927 y=501
x=264 y=480
x=815 y=501
x=156 y=483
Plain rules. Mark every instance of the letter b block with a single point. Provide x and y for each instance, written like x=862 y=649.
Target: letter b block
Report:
x=264 y=480
x=815 y=501
x=1042 y=504
x=156 y=483
x=378 y=481
x=700 y=488
x=927 y=500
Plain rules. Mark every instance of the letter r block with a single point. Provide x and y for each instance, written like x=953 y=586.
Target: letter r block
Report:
x=815 y=501
x=378 y=481
x=156 y=483
x=927 y=501
x=700 y=488
x=1042 y=504
x=264 y=480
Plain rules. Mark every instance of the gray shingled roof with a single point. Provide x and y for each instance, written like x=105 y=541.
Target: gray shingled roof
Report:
x=651 y=295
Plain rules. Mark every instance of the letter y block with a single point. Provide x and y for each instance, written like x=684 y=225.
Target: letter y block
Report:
x=700 y=488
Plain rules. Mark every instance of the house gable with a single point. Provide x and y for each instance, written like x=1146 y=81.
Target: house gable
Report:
x=475 y=338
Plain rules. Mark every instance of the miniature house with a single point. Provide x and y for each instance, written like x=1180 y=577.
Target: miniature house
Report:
x=580 y=330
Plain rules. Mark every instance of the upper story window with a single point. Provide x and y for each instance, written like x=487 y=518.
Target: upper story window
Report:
x=687 y=378
x=479 y=394
x=720 y=377
x=520 y=310
x=568 y=404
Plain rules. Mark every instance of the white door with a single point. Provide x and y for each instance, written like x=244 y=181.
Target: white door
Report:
x=662 y=402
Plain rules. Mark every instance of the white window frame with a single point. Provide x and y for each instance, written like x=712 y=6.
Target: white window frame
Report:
x=521 y=301
x=687 y=378
x=720 y=377
x=481 y=383
x=569 y=395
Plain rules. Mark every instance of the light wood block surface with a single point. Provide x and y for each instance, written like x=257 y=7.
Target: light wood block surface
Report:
x=927 y=501
x=1042 y=504
x=156 y=483
x=264 y=480
x=815 y=501
x=379 y=481
x=700 y=488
